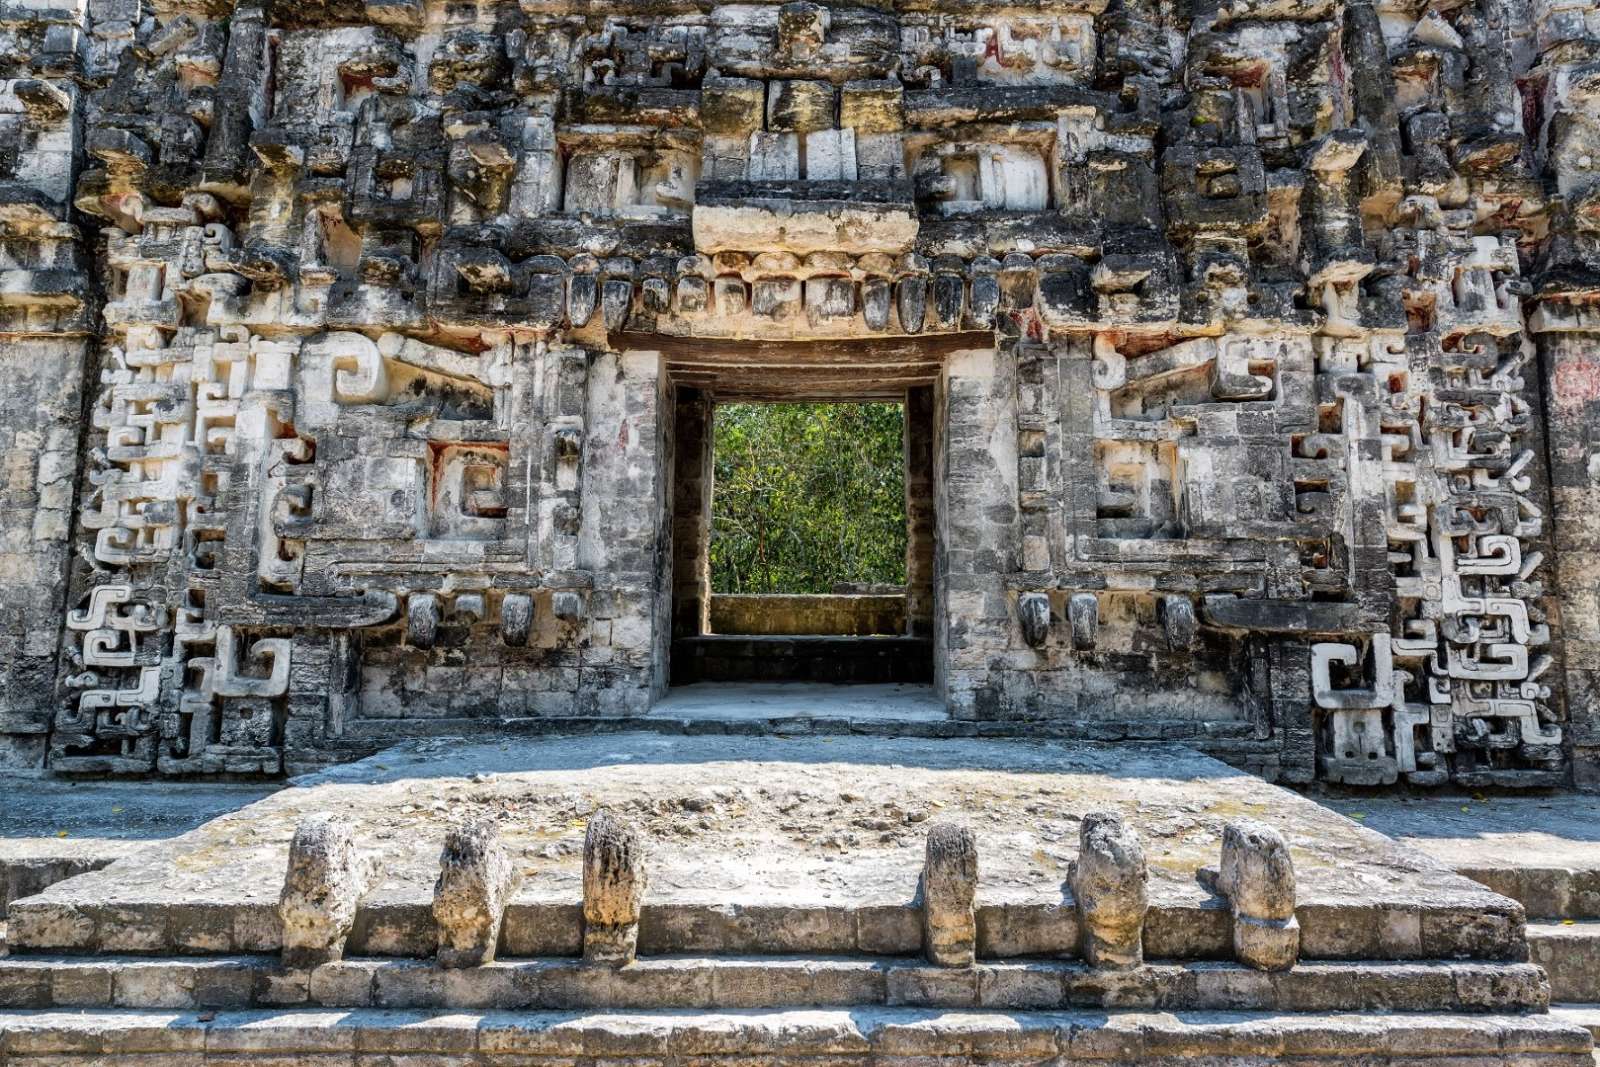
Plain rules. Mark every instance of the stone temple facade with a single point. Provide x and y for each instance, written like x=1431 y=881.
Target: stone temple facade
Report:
x=359 y=361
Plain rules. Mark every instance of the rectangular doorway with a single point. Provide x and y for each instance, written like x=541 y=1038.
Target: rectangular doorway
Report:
x=803 y=540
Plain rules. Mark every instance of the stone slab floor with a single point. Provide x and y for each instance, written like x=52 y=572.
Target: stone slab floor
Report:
x=1479 y=830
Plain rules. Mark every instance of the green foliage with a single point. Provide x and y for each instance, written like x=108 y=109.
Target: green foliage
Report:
x=807 y=495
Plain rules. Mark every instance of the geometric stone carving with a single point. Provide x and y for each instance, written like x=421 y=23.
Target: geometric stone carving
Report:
x=1233 y=347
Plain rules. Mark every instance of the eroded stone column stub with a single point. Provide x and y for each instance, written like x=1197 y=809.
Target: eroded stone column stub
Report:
x=1108 y=881
x=477 y=880
x=614 y=879
x=949 y=886
x=1257 y=877
x=327 y=877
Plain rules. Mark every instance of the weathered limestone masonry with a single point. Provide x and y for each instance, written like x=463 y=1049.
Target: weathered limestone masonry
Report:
x=1257 y=344
x=46 y=318
x=756 y=901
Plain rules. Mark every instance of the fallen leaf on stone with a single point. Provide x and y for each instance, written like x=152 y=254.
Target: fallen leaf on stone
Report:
x=1358 y=815
x=61 y=833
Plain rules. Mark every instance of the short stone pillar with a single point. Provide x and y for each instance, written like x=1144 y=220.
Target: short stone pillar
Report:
x=613 y=888
x=326 y=880
x=949 y=885
x=1108 y=882
x=1257 y=877
x=476 y=881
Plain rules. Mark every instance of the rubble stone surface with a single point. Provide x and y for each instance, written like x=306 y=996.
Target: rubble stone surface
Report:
x=359 y=358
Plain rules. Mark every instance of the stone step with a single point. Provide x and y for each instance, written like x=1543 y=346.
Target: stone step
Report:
x=1546 y=892
x=886 y=1037
x=1570 y=953
x=403 y=926
x=821 y=658
x=766 y=982
x=1232 y=738
x=1585 y=1015
x=24 y=872
x=1540 y=850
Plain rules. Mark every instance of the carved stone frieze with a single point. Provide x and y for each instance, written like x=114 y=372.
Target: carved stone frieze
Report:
x=359 y=358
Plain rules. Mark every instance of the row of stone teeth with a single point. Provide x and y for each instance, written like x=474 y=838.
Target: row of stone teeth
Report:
x=328 y=876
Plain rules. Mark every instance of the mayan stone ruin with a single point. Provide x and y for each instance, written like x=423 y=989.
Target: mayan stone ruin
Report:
x=360 y=358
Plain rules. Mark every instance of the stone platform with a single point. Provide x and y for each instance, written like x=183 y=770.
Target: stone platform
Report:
x=1542 y=851
x=52 y=829
x=775 y=846
x=783 y=922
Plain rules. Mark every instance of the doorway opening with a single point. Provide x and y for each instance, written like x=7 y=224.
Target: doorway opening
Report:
x=803 y=539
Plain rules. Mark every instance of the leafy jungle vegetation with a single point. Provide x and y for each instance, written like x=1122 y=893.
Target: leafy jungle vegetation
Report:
x=807 y=495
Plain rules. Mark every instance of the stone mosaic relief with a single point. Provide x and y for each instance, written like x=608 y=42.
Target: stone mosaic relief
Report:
x=1265 y=318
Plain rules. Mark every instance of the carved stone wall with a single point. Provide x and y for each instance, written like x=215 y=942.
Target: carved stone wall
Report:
x=348 y=345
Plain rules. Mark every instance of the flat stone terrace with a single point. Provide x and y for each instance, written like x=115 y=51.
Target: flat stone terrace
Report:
x=51 y=829
x=1543 y=851
x=774 y=845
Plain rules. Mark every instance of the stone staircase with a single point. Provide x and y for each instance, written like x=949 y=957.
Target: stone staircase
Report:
x=1563 y=930
x=1563 y=921
x=1204 y=915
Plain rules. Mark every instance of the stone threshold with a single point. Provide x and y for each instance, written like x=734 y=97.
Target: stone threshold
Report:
x=864 y=1036
x=768 y=982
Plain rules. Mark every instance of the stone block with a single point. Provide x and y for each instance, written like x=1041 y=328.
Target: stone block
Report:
x=326 y=879
x=1257 y=877
x=949 y=885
